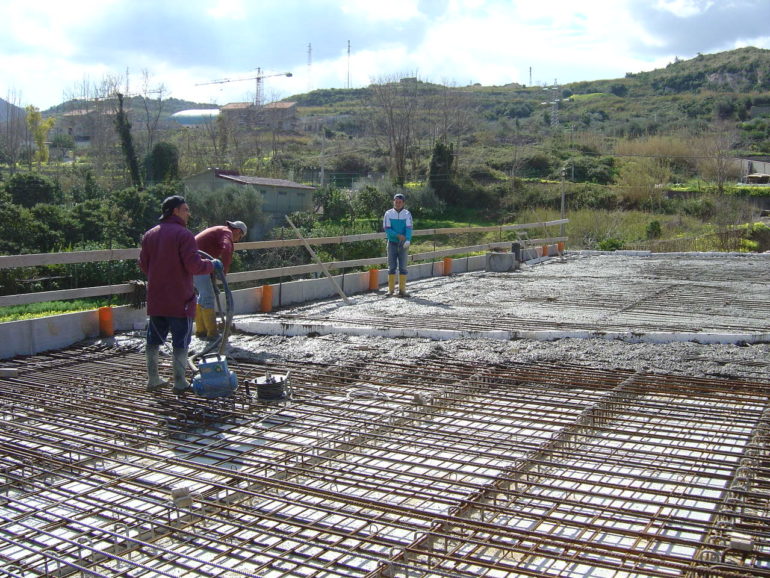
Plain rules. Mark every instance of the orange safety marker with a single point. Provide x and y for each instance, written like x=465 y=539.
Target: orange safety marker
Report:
x=106 y=328
x=374 y=279
x=266 y=305
x=447 y=265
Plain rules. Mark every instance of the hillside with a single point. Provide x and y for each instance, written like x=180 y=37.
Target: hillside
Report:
x=526 y=131
x=732 y=86
x=8 y=111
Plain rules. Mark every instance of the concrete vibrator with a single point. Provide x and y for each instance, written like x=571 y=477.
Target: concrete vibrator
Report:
x=212 y=378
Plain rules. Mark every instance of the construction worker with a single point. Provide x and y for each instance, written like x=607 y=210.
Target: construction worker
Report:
x=169 y=257
x=397 y=223
x=219 y=243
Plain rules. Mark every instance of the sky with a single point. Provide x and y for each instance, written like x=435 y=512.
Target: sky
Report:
x=54 y=51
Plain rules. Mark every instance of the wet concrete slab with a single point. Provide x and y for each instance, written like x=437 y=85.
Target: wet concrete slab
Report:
x=654 y=298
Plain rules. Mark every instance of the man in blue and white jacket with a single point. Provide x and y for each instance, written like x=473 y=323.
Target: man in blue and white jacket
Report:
x=397 y=223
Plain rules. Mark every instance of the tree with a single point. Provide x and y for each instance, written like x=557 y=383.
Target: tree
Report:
x=440 y=175
x=14 y=130
x=717 y=156
x=334 y=204
x=39 y=129
x=370 y=202
x=127 y=143
x=131 y=212
x=53 y=228
x=151 y=114
x=395 y=104
x=27 y=189
x=15 y=222
x=162 y=164
x=62 y=143
x=233 y=202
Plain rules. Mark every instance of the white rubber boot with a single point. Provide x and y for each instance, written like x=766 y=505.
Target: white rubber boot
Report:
x=154 y=381
x=180 y=369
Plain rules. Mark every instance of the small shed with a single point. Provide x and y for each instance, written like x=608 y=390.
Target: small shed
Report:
x=280 y=197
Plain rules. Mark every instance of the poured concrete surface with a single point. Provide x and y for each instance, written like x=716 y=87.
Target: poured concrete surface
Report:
x=695 y=313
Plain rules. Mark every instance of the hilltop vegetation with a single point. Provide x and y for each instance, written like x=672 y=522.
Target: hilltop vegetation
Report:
x=659 y=143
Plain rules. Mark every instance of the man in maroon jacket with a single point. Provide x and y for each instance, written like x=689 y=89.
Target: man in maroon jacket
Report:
x=169 y=257
x=219 y=242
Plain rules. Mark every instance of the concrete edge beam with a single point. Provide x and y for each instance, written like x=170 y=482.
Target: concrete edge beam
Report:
x=288 y=329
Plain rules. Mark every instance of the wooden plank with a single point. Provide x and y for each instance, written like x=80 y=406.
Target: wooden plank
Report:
x=39 y=259
x=64 y=294
x=10 y=261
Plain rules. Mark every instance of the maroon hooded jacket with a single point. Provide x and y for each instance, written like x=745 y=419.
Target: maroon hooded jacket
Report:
x=169 y=258
x=218 y=242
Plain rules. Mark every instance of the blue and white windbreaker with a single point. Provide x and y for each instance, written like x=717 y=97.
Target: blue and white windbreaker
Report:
x=397 y=223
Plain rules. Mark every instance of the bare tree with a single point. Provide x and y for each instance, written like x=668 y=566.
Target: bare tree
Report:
x=152 y=102
x=14 y=132
x=452 y=114
x=395 y=104
x=717 y=154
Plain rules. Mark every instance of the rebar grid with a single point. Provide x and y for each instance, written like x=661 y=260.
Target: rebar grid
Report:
x=433 y=469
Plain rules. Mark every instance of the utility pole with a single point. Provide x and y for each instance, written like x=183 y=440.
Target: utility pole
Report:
x=563 y=203
x=555 y=106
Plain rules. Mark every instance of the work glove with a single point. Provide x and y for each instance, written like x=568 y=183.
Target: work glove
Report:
x=218 y=266
x=406 y=244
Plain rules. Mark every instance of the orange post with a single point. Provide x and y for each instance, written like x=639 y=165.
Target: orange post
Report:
x=447 y=265
x=266 y=306
x=374 y=279
x=106 y=328
x=545 y=250
x=561 y=247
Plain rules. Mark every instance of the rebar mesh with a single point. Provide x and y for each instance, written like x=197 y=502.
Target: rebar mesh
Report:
x=438 y=469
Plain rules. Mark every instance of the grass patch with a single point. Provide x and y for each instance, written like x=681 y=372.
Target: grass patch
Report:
x=591 y=96
x=587 y=228
x=35 y=310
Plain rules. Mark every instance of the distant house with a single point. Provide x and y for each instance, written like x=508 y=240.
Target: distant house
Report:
x=79 y=124
x=275 y=115
x=279 y=197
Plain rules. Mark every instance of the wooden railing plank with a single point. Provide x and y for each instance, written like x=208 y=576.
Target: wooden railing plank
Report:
x=13 y=261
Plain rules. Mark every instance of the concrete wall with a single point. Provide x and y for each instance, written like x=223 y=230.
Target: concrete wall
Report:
x=32 y=336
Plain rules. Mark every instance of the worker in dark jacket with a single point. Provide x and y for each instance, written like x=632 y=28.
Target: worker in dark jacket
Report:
x=169 y=257
x=218 y=242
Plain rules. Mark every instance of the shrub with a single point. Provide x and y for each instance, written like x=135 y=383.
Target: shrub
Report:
x=654 y=230
x=28 y=189
x=610 y=244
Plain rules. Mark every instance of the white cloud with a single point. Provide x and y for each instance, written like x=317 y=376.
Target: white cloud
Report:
x=685 y=8
x=49 y=48
x=377 y=10
x=228 y=10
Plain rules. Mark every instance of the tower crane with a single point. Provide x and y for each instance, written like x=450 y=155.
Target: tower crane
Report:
x=258 y=78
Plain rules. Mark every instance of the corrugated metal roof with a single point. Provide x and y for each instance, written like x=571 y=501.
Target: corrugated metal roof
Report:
x=247 y=180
